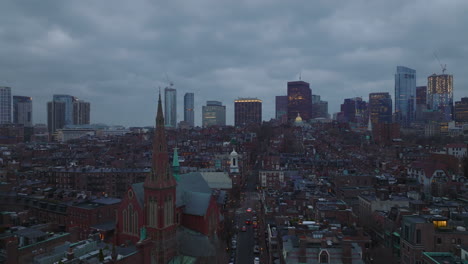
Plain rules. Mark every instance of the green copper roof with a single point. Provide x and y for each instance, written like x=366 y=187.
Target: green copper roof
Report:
x=175 y=160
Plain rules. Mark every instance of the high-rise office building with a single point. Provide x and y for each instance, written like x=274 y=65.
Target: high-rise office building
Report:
x=22 y=110
x=421 y=102
x=440 y=94
x=213 y=114
x=461 y=110
x=5 y=105
x=247 y=111
x=319 y=107
x=81 y=113
x=189 y=105
x=405 y=95
x=170 y=107
x=56 y=111
x=354 y=110
x=299 y=100
x=68 y=100
x=380 y=108
x=282 y=108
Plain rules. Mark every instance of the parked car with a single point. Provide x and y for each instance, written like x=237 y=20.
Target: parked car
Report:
x=244 y=228
x=256 y=260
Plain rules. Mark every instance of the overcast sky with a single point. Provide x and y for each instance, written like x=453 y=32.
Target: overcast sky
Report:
x=115 y=54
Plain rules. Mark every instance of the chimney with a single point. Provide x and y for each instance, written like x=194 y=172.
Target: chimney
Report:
x=70 y=254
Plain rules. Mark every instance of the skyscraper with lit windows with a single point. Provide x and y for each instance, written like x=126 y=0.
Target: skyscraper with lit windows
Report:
x=440 y=94
x=380 y=108
x=247 y=111
x=299 y=100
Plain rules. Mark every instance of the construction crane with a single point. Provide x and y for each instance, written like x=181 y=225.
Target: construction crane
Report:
x=443 y=66
x=169 y=81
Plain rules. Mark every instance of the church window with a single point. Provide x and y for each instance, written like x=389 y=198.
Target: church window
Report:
x=323 y=257
x=125 y=220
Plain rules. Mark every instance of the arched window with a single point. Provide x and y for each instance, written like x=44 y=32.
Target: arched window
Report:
x=324 y=257
x=124 y=220
x=130 y=218
x=135 y=228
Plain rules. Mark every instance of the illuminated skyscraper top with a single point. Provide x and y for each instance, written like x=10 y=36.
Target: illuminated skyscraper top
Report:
x=440 y=94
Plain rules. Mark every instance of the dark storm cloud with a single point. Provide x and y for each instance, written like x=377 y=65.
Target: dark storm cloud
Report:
x=116 y=54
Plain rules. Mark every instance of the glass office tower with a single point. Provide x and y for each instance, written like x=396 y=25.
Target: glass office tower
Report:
x=405 y=95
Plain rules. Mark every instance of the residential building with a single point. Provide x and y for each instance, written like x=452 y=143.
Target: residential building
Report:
x=213 y=114
x=380 y=108
x=282 y=108
x=81 y=112
x=5 y=105
x=22 y=110
x=170 y=107
x=189 y=106
x=56 y=112
x=299 y=100
x=68 y=106
x=440 y=94
x=247 y=111
x=461 y=110
x=405 y=95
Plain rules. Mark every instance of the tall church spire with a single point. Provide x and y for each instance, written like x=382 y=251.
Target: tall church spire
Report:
x=161 y=174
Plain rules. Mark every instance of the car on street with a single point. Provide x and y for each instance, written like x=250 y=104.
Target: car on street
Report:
x=255 y=224
x=248 y=221
x=244 y=228
x=249 y=210
x=256 y=249
x=256 y=260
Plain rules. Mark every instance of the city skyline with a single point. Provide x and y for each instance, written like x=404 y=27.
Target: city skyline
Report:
x=83 y=57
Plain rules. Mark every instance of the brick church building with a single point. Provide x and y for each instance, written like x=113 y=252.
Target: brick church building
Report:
x=168 y=220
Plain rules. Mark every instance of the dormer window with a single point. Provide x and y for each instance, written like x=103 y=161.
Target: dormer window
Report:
x=324 y=257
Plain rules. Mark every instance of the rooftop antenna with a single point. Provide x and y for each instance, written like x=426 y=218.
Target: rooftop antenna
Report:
x=443 y=66
x=300 y=75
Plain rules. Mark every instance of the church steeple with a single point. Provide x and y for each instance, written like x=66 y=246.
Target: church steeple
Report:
x=160 y=197
x=161 y=174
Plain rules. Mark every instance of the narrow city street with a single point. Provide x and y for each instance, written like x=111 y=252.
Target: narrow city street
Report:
x=249 y=209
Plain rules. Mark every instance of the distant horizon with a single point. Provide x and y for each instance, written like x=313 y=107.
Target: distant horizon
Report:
x=222 y=51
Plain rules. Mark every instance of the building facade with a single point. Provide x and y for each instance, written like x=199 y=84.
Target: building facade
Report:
x=421 y=102
x=81 y=113
x=22 y=110
x=405 y=95
x=319 y=107
x=380 y=108
x=461 y=110
x=68 y=102
x=170 y=107
x=213 y=114
x=247 y=111
x=56 y=112
x=354 y=110
x=189 y=106
x=299 y=100
x=281 y=111
x=5 y=105
x=440 y=94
